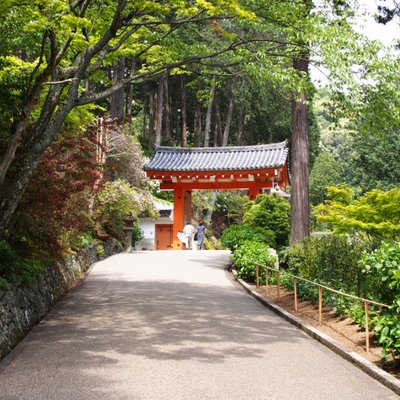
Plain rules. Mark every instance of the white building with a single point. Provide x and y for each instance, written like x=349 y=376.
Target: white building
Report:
x=158 y=232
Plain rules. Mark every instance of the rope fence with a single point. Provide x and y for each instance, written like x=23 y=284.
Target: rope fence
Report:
x=321 y=288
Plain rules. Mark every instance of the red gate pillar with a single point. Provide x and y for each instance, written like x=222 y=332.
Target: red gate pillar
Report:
x=179 y=217
x=254 y=192
x=182 y=214
x=188 y=206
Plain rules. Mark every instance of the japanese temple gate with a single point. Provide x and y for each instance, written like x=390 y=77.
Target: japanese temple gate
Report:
x=182 y=170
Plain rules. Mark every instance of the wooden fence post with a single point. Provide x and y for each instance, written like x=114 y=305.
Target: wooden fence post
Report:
x=266 y=280
x=320 y=305
x=257 y=275
x=278 y=278
x=366 y=327
x=295 y=294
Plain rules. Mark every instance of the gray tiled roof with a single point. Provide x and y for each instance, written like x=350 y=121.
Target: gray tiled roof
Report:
x=218 y=158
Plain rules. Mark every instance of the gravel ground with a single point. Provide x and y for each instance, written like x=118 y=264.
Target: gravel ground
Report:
x=173 y=325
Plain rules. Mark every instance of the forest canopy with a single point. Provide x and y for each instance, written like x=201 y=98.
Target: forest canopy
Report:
x=189 y=72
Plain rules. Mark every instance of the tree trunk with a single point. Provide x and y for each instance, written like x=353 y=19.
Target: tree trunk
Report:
x=129 y=95
x=117 y=98
x=211 y=207
x=239 y=139
x=19 y=127
x=145 y=130
x=197 y=123
x=300 y=202
x=27 y=108
x=228 y=122
x=167 y=110
x=160 y=109
x=184 y=113
x=44 y=134
x=151 y=118
x=217 y=126
x=129 y=101
x=207 y=128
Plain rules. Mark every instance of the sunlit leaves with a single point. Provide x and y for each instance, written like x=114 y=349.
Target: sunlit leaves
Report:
x=376 y=214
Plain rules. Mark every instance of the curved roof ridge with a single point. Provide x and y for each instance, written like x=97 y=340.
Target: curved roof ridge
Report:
x=223 y=149
x=232 y=158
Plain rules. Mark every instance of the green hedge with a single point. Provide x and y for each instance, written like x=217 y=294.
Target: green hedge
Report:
x=235 y=236
x=382 y=267
x=331 y=260
x=349 y=265
x=272 y=214
x=248 y=255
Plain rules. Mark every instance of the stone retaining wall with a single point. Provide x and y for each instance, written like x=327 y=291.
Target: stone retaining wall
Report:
x=25 y=305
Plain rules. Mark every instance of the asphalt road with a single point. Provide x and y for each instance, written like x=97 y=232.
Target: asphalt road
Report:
x=173 y=325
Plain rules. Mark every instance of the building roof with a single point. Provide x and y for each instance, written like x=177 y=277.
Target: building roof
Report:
x=218 y=158
x=161 y=204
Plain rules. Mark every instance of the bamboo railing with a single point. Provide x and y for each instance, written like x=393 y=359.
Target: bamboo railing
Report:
x=321 y=288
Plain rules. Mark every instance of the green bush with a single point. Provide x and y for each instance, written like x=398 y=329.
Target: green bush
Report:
x=79 y=240
x=233 y=205
x=100 y=250
x=119 y=202
x=236 y=235
x=137 y=235
x=376 y=214
x=272 y=214
x=326 y=171
x=248 y=255
x=14 y=268
x=382 y=271
x=387 y=327
x=346 y=264
x=331 y=260
x=212 y=243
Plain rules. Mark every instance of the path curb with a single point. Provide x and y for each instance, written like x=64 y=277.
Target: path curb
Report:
x=368 y=367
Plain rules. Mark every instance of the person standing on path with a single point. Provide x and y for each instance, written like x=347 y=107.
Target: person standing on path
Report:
x=189 y=231
x=201 y=233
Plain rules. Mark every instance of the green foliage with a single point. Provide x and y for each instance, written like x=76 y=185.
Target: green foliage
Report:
x=366 y=143
x=382 y=268
x=220 y=210
x=160 y=194
x=14 y=268
x=79 y=240
x=376 y=112
x=314 y=134
x=202 y=204
x=327 y=171
x=272 y=214
x=250 y=253
x=346 y=265
x=267 y=221
x=234 y=236
x=266 y=106
x=387 y=327
x=118 y=203
x=137 y=234
x=330 y=260
x=212 y=243
x=371 y=159
x=376 y=214
x=233 y=205
x=100 y=250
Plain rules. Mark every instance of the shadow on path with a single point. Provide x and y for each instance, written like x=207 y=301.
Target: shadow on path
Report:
x=126 y=335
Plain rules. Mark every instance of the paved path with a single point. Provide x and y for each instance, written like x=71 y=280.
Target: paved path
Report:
x=173 y=325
